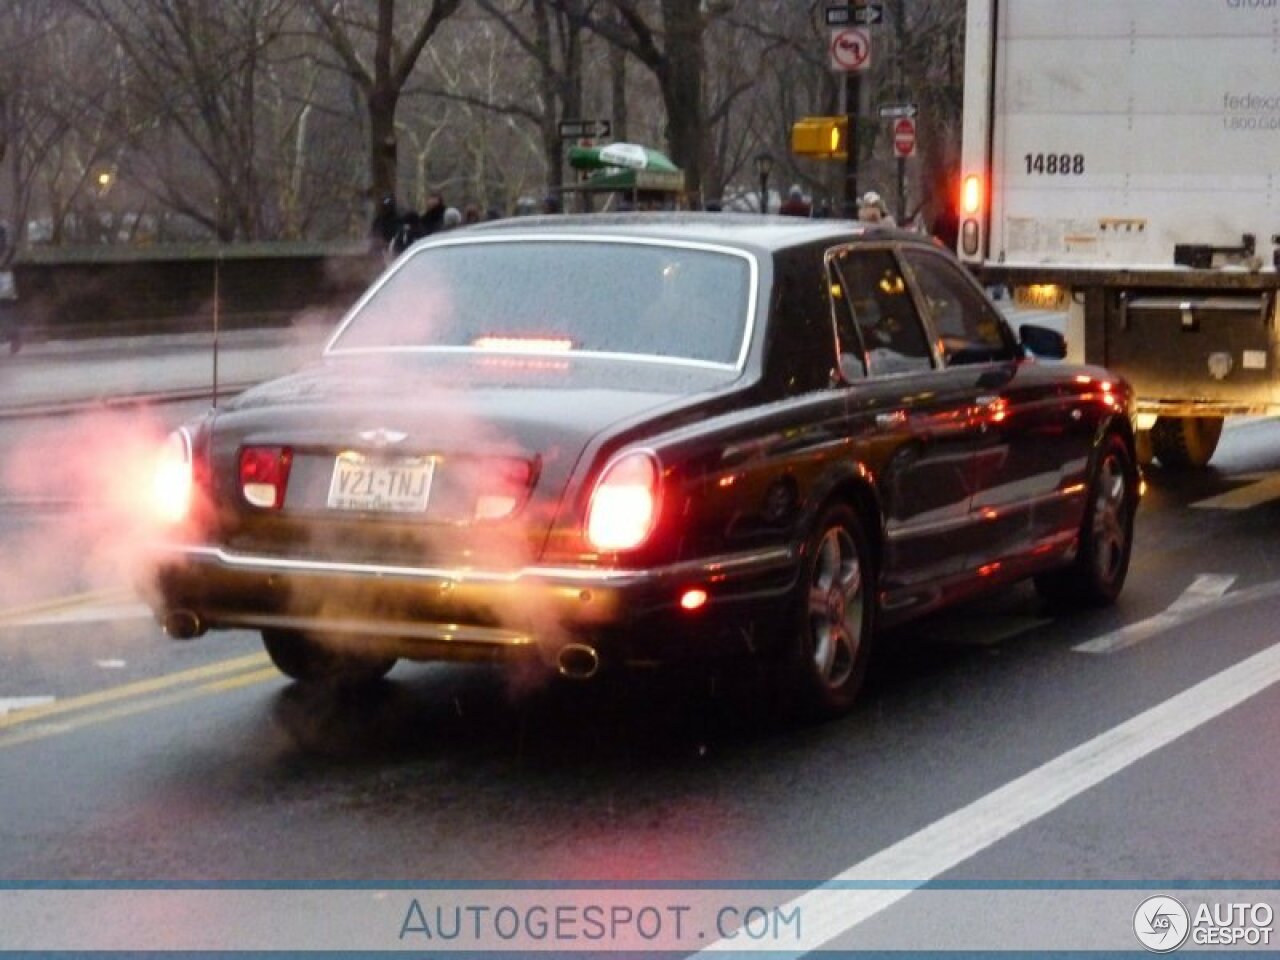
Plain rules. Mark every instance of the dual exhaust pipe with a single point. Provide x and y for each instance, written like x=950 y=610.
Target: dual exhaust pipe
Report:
x=183 y=624
x=576 y=661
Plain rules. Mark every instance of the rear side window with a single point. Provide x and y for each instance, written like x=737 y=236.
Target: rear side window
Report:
x=883 y=312
x=969 y=328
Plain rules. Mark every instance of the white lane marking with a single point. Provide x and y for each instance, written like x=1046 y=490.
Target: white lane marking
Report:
x=1243 y=498
x=110 y=664
x=10 y=704
x=835 y=908
x=1206 y=589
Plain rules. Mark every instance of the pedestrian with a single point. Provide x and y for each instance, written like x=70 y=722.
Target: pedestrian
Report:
x=795 y=205
x=432 y=219
x=452 y=218
x=470 y=215
x=872 y=209
x=408 y=229
x=386 y=223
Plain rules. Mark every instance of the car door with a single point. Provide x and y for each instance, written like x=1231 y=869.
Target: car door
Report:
x=913 y=414
x=1032 y=441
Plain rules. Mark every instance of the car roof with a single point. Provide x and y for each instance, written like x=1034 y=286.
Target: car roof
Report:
x=767 y=232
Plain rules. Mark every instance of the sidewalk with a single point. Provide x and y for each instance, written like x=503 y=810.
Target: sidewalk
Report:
x=64 y=375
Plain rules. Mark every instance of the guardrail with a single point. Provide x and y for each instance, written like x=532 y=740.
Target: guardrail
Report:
x=123 y=291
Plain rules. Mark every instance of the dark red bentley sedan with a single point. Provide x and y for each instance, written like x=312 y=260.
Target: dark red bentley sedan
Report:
x=594 y=442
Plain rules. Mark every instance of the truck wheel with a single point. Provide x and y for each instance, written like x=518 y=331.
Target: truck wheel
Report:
x=301 y=658
x=1142 y=447
x=1181 y=443
x=834 y=613
x=1096 y=576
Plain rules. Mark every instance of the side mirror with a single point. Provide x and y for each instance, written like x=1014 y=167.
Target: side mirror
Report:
x=1043 y=341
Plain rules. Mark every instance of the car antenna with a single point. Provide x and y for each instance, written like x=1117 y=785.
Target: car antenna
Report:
x=217 y=297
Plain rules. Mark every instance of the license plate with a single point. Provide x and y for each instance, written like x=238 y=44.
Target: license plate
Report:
x=1042 y=296
x=393 y=486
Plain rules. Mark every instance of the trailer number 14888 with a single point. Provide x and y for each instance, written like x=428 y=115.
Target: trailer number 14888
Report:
x=1055 y=164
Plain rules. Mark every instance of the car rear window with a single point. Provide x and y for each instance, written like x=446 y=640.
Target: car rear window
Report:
x=661 y=301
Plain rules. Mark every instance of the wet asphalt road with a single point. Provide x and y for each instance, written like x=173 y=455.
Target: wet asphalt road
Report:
x=196 y=762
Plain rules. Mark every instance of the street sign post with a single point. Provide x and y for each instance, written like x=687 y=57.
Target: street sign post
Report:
x=585 y=129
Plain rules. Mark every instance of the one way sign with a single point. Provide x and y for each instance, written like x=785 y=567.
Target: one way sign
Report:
x=861 y=15
x=895 y=110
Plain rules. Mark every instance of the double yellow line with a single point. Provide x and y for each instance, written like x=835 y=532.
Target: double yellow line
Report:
x=74 y=713
x=44 y=608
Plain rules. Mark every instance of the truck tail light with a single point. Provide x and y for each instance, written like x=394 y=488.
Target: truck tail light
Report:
x=264 y=475
x=971 y=202
x=173 y=478
x=624 y=504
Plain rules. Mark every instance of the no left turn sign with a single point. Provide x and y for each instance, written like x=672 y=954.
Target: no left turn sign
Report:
x=850 y=49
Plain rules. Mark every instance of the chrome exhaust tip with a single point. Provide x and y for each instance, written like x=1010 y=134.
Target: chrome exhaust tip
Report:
x=577 y=661
x=183 y=625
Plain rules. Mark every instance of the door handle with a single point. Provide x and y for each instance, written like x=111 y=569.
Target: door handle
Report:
x=891 y=421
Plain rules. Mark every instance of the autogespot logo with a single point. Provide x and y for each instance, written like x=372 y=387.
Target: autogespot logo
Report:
x=1161 y=924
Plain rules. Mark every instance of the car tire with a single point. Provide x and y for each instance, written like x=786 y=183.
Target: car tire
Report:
x=834 y=618
x=1096 y=576
x=299 y=657
x=1185 y=443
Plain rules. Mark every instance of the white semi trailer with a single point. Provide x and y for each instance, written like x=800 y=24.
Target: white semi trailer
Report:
x=1121 y=165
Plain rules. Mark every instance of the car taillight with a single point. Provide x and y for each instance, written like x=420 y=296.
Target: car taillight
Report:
x=264 y=475
x=624 y=505
x=971 y=195
x=500 y=487
x=173 y=478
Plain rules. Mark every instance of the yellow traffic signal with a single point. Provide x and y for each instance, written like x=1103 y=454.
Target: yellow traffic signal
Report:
x=823 y=137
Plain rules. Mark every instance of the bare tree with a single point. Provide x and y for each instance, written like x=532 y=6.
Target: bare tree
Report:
x=366 y=42
x=190 y=99
x=551 y=34
x=488 y=143
x=37 y=110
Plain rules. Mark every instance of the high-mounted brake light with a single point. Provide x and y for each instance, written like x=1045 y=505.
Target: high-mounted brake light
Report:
x=173 y=479
x=624 y=505
x=524 y=344
x=264 y=475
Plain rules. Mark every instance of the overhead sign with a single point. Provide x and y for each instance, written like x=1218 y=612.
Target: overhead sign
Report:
x=889 y=111
x=850 y=49
x=864 y=14
x=904 y=138
x=585 y=129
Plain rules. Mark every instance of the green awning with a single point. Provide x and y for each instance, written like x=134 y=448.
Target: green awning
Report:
x=626 y=166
